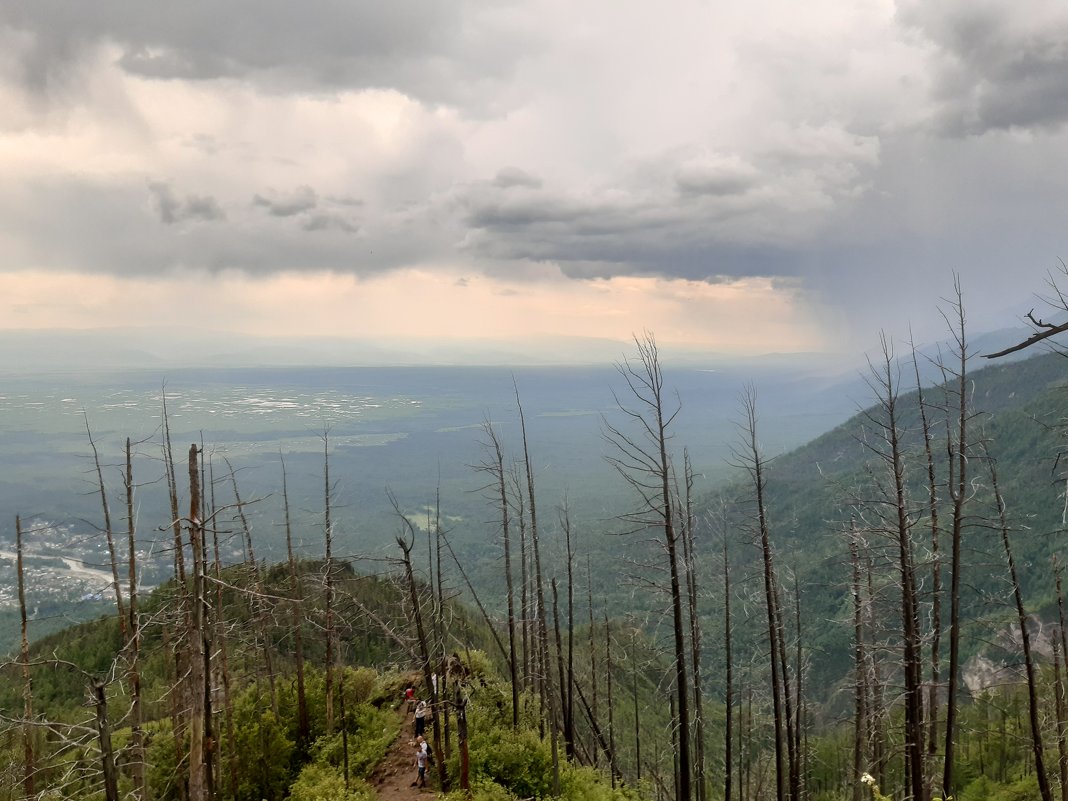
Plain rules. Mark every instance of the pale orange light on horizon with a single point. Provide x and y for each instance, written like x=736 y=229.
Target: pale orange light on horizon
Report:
x=747 y=315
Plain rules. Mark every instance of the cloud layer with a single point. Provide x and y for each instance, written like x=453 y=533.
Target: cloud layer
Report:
x=847 y=157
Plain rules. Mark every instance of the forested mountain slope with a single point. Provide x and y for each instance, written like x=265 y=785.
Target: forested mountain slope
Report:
x=817 y=493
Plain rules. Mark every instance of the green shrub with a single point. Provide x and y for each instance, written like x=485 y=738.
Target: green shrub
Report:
x=519 y=761
x=319 y=782
x=481 y=790
x=1025 y=789
x=586 y=784
x=360 y=684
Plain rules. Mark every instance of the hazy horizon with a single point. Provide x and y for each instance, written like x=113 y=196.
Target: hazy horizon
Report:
x=789 y=179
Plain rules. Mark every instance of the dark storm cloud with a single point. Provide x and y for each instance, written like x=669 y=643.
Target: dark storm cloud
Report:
x=434 y=50
x=172 y=209
x=601 y=237
x=1002 y=64
x=687 y=214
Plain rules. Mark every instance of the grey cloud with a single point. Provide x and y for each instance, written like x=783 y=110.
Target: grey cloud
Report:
x=345 y=200
x=68 y=223
x=678 y=212
x=1001 y=65
x=302 y=199
x=171 y=209
x=513 y=176
x=436 y=51
x=329 y=222
x=715 y=179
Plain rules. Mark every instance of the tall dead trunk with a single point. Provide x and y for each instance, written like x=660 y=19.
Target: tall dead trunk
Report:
x=328 y=600
x=235 y=760
x=1037 y=748
x=936 y=568
x=612 y=765
x=260 y=617
x=634 y=698
x=568 y=691
x=424 y=646
x=875 y=704
x=542 y=625
x=108 y=532
x=496 y=470
x=344 y=728
x=690 y=563
x=800 y=729
x=958 y=492
x=860 y=670
x=439 y=622
x=297 y=609
x=461 y=736
x=899 y=524
x=728 y=696
x=29 y=768
x=199 y=645
x=172 y=487
x=593 y=648
x=642 y=461
x=524 y=578
x=1062 y=725
x=753 y=462
x=561 y=674
x=179 y=702
x=1061 y=646
x=107 y=753
x=133 y=641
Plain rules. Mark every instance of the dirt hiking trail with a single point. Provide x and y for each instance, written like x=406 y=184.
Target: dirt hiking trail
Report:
x=393 y=777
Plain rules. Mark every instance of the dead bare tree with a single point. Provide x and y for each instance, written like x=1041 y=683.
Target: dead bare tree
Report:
x=328 y=567
x=406 y=541
x=860 y=672
x=544 y=673
x=201 y=739
x=297 y=610
x=728 y=689
x=133 y=640
x=749 y=457
x=959 y=492
x=688 y=522
x=642 y=461
x=896 y=522
x=567 y=687
x=494 y=466
x=258 y=595
x=108 y=532
x=1025 y=636
x=1043 y=330
x=29 y=768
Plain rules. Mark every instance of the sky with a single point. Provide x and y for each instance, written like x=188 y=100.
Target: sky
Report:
x=743 y=178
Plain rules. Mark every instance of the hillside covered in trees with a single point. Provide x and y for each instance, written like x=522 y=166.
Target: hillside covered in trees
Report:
x=879 y=611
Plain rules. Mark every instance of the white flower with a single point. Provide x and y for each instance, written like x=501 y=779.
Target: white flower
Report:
x=868 y=779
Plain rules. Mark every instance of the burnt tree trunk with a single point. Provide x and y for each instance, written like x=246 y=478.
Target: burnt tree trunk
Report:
x=1025 y=640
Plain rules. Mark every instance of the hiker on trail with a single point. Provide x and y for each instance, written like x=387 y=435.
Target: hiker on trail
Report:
x=421 y=755
x=409 y=697
x=420 y=717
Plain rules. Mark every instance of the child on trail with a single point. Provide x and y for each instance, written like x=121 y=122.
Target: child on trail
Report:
x=421 y=756
x=409 y=697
